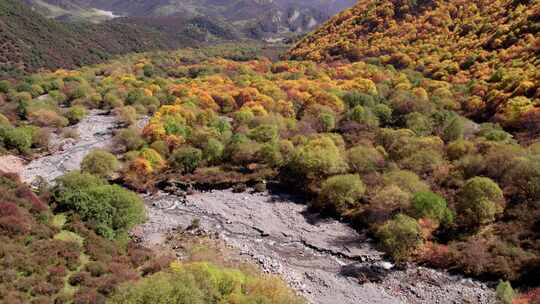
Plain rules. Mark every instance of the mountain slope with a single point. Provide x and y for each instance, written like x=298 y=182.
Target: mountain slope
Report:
x=492 y=47
x=29 y=41
x=254 y=18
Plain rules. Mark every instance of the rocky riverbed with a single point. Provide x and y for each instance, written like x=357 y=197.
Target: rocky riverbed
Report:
x=95 y=131
x=321 y=258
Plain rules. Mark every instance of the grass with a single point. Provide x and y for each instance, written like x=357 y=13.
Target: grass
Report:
x=69 y=236
x=59 y=220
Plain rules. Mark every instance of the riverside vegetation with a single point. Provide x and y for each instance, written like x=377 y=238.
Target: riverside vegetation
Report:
x=392 y=148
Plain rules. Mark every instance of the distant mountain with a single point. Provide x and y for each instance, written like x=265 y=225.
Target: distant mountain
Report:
x=28 y=41
x=252 y=18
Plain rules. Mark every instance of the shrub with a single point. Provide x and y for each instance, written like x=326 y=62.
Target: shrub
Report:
x=130 y=139
x=423 y=161
x=406 y=180
x=363 y=115
x=126 y=115
x=264 y=133
x=18 y=138
x=5 y=86
x=459 y=148
x=100 y=163
x=400 y=237
x=341 y=192
x=480 y=201
x=108 y=209
x=205 y=283
x=319 y=156
x=327 y=121
x=432 y=206
x=389 y=199
x=4 y=122
x=213 y=151
x=454 y=130
x=383 y=113
x=419 y=123
x=355 y=98
x=186 y=159
x=154 y=158
x=505 y=292
x=47 y=118
x=75 y=114
x=364 y=159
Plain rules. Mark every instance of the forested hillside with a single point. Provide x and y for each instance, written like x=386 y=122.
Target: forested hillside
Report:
x=490 y=47
x=28 y=41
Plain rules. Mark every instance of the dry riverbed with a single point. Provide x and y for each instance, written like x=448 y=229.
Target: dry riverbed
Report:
x=321 y=258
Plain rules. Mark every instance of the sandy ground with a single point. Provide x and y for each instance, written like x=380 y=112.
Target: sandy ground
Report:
x=11 y=164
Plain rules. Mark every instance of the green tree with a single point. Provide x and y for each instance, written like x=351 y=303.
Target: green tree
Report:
x=186 y=159
x=101 y=163
x=319 y=156
x=341 y=192
x=400 y=237
x=480 y=201
x=364 y=159
x=75 y=114
x=432 y=206
x=109 y=210
x=505 y=292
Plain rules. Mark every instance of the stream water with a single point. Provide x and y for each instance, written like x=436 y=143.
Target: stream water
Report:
x=320 y=258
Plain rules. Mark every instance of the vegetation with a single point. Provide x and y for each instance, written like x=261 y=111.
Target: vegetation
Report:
x=383 y=138
x=489 y=48
x=109 y=210
x=200 y=282
x=47 y=258
x=100 y=163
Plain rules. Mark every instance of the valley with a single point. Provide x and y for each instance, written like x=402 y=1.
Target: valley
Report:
x=254 y=151
x=318 y=257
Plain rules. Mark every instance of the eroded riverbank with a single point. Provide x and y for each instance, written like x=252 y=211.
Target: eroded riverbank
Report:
x=320 y=258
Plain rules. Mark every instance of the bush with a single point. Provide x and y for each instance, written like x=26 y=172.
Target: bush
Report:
x=186 y=159
x=126 y=115
x=505 y=292
x=100 y=163
x=423 y=161
x=480 y=201
x=341 y=193
x=109 y=210
x=198 y=283
x=47 y=118
x=4 y=121
x=459 y=148
x=130 y=139
x=419 y=124
x=364 y=159
x=400 y=237
x=388 y=200
x=432 y=206
x=318 y=157
x=406 y=180
x=213 y=151
x=17 y=138
x=264 y=133
x=364 y=116
x=75 y=114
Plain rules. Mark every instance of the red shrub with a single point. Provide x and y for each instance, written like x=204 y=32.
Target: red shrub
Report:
x=7 y=208
x=14 y=225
